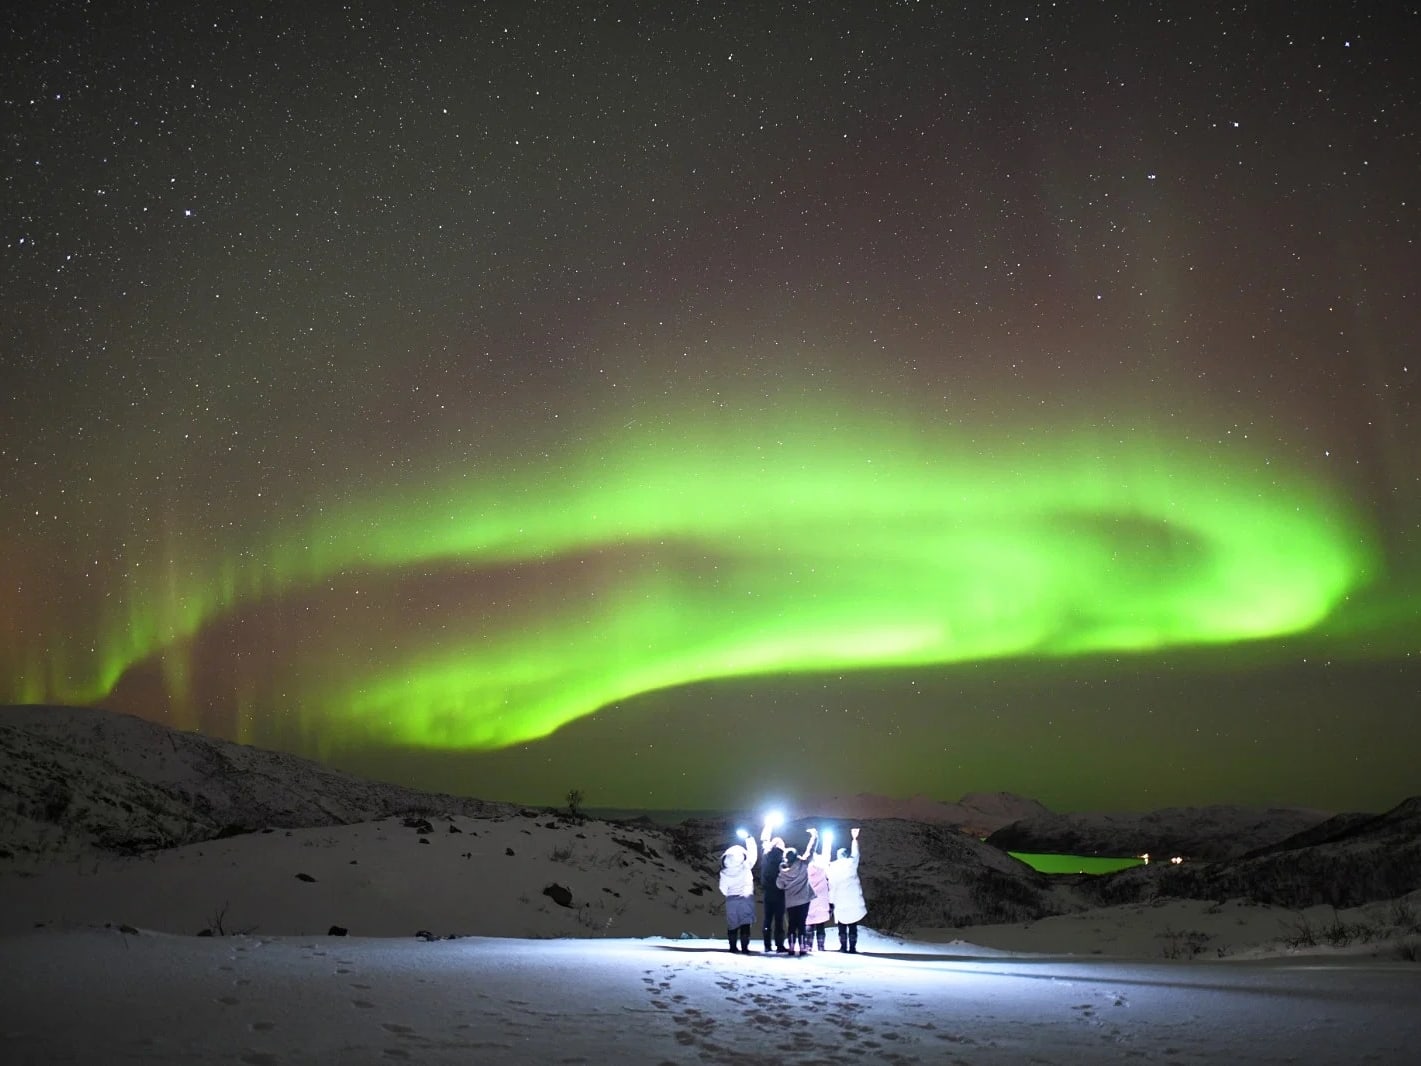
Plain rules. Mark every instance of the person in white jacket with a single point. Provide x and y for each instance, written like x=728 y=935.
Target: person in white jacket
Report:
x=846 y=894
x=737 y=885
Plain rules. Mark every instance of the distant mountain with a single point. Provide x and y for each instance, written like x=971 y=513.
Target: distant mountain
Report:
x=1377 y=857
x=983 y=813
x=1338 y=827
x=1201 y=833
x=976 y=813
x=74 y=779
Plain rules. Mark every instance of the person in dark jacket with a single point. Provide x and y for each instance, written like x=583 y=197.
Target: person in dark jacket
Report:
x=774 y=853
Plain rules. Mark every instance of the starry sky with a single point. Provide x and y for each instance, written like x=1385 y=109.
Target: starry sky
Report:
x=696 y=404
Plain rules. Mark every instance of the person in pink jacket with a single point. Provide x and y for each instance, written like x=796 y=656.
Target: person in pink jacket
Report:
x=820 y=910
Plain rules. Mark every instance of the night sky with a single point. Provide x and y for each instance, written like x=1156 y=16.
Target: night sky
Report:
x=703 y=404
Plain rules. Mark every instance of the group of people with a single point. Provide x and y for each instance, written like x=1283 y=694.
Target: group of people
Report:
x=805 y=892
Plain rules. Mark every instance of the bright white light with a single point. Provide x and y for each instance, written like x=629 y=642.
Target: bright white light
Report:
x=741 y=834
x=774 y=820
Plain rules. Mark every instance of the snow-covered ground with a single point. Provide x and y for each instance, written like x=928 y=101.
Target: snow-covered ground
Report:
x=99 y=964
x=553 y=939
x=105 y=996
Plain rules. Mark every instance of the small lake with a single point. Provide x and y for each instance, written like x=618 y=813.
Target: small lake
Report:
x=1075 y=864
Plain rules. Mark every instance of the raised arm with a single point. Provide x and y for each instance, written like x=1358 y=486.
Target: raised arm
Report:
x=809 y=849
x=748 y=843
x=772 y=822
x=854 y=848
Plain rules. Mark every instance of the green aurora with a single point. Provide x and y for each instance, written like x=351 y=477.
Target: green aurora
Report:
x=493 y=607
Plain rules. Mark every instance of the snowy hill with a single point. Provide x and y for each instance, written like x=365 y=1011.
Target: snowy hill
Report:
x=1378 y=858
x=1340 y=827
x=73 y=779
x=57 y=803
x=89 y=787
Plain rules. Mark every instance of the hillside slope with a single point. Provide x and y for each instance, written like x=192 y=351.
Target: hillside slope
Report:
x=1378 y=858
x=73 y=779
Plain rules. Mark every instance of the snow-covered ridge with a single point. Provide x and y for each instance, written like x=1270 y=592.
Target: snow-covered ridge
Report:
x=1202 y=833
x=78 y=779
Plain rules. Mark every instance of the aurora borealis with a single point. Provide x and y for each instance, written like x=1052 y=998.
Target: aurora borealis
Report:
x=684 y=408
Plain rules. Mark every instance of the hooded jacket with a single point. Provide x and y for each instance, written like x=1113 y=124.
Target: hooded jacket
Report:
x=770 y=872
x=845 y=892
x=737 y=874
